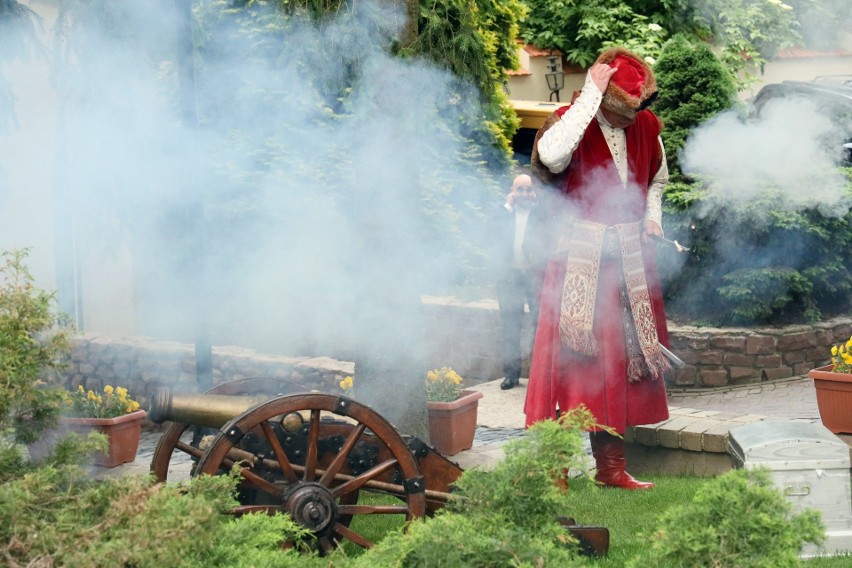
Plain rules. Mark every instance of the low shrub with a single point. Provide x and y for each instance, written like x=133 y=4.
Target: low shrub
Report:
x=738 y=520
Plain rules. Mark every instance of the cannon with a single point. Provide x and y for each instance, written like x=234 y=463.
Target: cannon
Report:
x=311 y=455
x=307 y=454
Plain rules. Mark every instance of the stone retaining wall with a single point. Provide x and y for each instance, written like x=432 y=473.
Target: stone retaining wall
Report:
x=717 y=357
x=143 y=365
x=464 y=336
x=467 y=336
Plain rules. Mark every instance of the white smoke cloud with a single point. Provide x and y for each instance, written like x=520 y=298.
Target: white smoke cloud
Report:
x=262 y=221
x=792 y=147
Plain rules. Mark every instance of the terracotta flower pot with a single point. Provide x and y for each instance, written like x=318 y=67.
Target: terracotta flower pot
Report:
x=123 y=433
x=834 y=398
x=452 y=425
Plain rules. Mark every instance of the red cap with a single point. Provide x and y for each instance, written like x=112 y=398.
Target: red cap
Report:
x=629 y=75
x=631 y=85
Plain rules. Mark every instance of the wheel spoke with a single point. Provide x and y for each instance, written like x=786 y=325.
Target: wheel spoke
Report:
x=358 y=481
x=248 y=509
x=283 y=462
x=372 y=510
x=313 y=438
x=335 y=466
x=346 y=532
x=191 y=450
x=256 y=480
x=325 y=545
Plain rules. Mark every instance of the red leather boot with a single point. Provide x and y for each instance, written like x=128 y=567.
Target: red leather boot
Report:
x=608 y=451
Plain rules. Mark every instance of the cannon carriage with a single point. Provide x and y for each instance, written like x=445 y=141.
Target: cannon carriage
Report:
x=311 y=455
x=304 y=453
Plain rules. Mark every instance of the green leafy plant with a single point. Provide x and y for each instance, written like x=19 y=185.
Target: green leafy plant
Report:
x=841 y=357
x=110 y=403
x=758 y=262
x=34 y=340
x=506 y=516
x=737 y=520
x=443 y=385
x=58 y=515
x=581 y=30
x=693 y=87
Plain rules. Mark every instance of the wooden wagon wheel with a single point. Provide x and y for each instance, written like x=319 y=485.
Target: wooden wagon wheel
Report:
x=321 y=499
x=171 y=438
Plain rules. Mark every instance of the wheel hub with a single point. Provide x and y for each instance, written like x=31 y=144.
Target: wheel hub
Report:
x=311 y=505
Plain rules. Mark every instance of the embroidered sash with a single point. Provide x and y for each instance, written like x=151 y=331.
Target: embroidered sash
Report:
x=586 y=244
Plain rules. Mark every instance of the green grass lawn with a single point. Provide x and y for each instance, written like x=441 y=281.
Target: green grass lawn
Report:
x=626 y=514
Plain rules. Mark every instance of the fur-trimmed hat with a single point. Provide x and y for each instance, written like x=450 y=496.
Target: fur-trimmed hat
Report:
x=632 y=87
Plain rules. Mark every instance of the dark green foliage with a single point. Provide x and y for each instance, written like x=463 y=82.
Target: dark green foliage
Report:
x=582 y=29
x=503 y=517
x=58 y=515
x=760 y=295
x=738 y=520
x=17 y=38
x=693 y=87
x=756 y=263
x=752 y=263
x=33 y=342
x=475 y=39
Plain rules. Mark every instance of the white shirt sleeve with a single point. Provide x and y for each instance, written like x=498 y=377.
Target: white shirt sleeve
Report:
x=654 y=204
x=557 y=145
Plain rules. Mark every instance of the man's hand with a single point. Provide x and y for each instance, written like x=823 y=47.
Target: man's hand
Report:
x=650 y=228
x=600 y=75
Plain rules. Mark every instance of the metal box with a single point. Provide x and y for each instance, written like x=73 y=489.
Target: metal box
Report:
x=809 y=464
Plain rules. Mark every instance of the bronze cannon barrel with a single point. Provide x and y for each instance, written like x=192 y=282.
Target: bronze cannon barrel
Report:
x=213 y=410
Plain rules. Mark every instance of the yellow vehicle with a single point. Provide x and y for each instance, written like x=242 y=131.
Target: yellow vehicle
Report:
x=532 y=115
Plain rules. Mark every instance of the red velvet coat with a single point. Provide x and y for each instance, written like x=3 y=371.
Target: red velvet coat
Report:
x=563 y=379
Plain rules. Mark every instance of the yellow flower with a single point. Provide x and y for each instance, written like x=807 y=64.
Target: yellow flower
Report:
x=847 y=358
x=134 y=406
x=91 y=395
x=834 y=349
x=80 y=389
x=108 y=390
x=347 y=383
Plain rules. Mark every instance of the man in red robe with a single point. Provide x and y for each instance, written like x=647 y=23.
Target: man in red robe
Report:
x=601 y=318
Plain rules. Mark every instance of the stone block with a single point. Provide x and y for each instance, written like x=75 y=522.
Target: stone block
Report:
x=686 y=376
x=738 y=360
x=715 y=438
x=802 y=368
x=669 y=432
x=779 y=373
x=711 y=358
x=759 y=345
x=688 y=356
x=740 y=373
x=842 y=332
x=659 y=460
x=817 y=354
x=714 y=378
x=692 y=434
x=646 y=435
x=699 y=344
x=728 y=343
x=793 y=357
x=762 y=361
x=800 y=340
x=824 y=337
